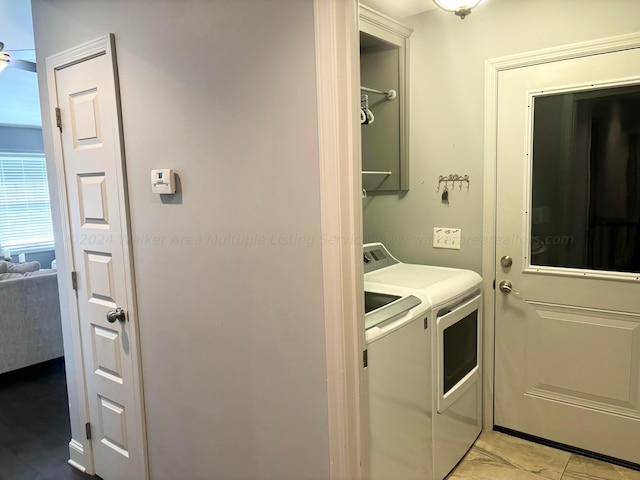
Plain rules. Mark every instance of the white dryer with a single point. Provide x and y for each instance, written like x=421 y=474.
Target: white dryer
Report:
x=454 y=320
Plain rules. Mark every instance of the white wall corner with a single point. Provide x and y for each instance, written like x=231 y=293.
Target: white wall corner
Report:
x=336 y=33
x=488 y=231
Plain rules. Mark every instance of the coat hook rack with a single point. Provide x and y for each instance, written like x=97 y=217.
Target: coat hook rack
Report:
x=453 y=178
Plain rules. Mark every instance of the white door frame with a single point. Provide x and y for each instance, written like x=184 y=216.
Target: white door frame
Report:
x=81 y=453
x=492 y=69
x=338 y=97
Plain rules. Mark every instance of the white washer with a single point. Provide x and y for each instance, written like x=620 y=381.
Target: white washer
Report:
x=398 y=374
x=454 y=324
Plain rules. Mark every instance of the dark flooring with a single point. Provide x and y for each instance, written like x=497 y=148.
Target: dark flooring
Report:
x=34 y=424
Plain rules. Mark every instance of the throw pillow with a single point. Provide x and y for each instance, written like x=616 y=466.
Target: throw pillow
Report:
x=23 y=267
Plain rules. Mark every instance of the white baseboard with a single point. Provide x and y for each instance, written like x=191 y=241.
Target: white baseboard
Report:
x=76 y=455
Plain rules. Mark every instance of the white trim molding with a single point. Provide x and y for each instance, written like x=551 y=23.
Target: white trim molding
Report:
x=378 y=20
x=79 y=449
x=493 y=67
x=338 y=98
x=76 y=456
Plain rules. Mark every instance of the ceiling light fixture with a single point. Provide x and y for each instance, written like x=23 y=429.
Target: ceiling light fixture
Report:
x=461 y=8
x=5 y=58
x=5 y=61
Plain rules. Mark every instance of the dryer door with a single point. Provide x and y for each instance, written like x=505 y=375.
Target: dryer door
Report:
x=458 y=351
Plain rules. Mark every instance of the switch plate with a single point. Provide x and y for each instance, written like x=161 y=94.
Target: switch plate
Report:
x=444 y=237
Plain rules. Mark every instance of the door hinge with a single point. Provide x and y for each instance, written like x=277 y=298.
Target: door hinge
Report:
x=426 y=322
x=365 y=359
x=58 y=118
x=74 y=280
x=87 y=427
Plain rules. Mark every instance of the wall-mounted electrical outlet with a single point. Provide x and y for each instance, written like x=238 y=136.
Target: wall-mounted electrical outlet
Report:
x=446 y=238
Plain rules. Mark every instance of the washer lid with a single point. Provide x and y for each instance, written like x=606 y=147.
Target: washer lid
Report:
x=434 y=284
x=390 y=311
x=412 y=276
x=376 y=300
x=438 y=284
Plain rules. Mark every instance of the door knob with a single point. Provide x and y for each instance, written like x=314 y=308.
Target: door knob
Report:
x=506 y=261
x=118 y=314
x=506 y=286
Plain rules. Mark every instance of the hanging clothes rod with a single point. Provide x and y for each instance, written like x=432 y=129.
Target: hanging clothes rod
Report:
x=391 y=94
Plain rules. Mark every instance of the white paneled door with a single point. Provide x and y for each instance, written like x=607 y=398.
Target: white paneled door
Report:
x=567 y=359
x=91 y=154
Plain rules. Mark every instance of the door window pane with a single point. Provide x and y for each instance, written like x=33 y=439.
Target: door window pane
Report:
x=585 y=205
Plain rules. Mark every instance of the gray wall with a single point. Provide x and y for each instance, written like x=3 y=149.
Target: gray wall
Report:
x=21 y=139
x=228 y=273
x=447 y=112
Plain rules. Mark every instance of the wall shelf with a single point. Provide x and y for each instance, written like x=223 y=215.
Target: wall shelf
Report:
x=384 y=62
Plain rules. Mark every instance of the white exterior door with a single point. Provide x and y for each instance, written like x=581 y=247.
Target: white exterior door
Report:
x=567 y=359
x=90 y=150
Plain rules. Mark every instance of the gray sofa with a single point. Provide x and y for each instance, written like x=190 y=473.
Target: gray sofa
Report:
x=30 y=324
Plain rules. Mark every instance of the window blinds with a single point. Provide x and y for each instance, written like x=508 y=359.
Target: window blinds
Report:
x=25 y=213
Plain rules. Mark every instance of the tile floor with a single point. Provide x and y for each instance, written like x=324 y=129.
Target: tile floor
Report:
x=496 y=456
x=34 y=435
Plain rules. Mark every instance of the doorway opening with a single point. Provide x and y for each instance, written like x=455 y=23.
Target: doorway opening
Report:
x=34 y=407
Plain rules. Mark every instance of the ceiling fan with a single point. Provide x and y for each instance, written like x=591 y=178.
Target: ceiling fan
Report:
x=7 y=61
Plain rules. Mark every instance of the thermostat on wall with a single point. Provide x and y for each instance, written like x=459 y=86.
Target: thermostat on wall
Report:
x=163 y=181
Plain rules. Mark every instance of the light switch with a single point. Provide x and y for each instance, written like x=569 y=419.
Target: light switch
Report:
x=446 y=238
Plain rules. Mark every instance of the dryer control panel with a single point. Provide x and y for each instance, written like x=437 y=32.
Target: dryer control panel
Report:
x=376 y=256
